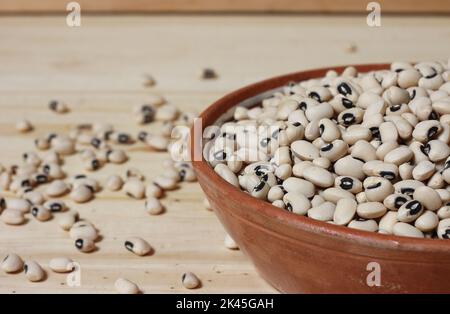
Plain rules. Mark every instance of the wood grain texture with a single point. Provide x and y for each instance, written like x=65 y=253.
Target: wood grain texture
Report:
x=297 y=6
x=99 y=70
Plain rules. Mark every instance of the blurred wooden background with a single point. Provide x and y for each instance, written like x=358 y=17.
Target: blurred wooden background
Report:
x=232 y=6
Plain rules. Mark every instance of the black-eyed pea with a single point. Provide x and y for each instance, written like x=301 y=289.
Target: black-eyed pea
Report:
x=410 y=211
x=275 y=193
x=24 y=126
x=295 y=116
x=438 y=150
x=42 y=143
x=431 y=83
x=405 y=171
x=386 y=170
x=408 y=78
x=114 y=183
x=406 y=230
x=363 y=150
x=395 y=96
x=134 y=188
x=444 y=194
x=138 y=246
x=67 y=220
x=319 y=111
x=305 y=150
x=63 y=146
x=420 y=151
x=323 y=212
x=350 y=116
x=394 y=201
x=317 y=200
x=328 y=130
x=283 y=171
x=444 y=136
x=18 y=204
x=153 y=206
x=85 y=245
x=57 y=188
x=125 y=286
x=12 y=263
x=399 y=155
x=322 y=162
x=33 y=271
x=318 y=176
x=441 y=106
x=388 y=132
x=427 y=222
x=299 y=168
x=348 y=183
x=279 y=204
x=444 y=211
x=404 y=128
x=58 y=106
x=443 y=229
x=82 y=194
x=335 y=194
x=345 y=211
x=282 y=155
x=428 y=197
x=355 y=133
x=423 y=170
x=226 y=174
x=117 y=156
x=296 y=203
x=361 y=197
x=349 y=166
x=12 y=217
x=371 y=210
x=55 y=206
x=341 y=103
x=387 y=222
x=190 y=281
x=312 y=130
x=377 y=188
x=426 y=130
x=61 y=265
x=89 y=182
x=410 y=118
x=382 y=149
x=261 y=189
x=436 y=181
x=365 y=225
x=235 y=164
x=334 y=151
x=300 y=186
x=41 y=213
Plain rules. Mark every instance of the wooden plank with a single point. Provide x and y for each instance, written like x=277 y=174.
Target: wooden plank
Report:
x=98 y=69
x=304 y=6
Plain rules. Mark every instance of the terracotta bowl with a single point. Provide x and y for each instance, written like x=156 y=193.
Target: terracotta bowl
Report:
x=297 y=254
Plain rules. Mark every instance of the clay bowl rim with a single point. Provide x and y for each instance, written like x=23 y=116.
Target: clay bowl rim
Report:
x=372 y=239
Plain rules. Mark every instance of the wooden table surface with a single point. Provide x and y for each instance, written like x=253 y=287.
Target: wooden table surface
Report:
x=99 y=69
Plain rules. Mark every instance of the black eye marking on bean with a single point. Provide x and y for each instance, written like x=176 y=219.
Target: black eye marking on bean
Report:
x=395 y=108
x=346 y=183
x=25 y=156
x=348 y=118
x=183 y=277
x=447 y=165
x=414 y=206
x=129 y=246
x=374 y=186
x=55 y=207
x=41 y=178
x=407 y=191
x=321 y=129
x=34 y=211
x=220 y=155
x=2 y=203
x=25 y=183
x=375 y=131
x=413 y=94
x=315 y=96
x=446 y=234
x=387 y=175
x=347 y=103
x=91 y=188
x=95 y=164
x=5 y=258
x=265 y=141
x=326 y=148
x=398 y=70
x=425 y=149
x=360 y=219
x=182 y=174
x=265 y=177
x=296 y=124
x=276 y=133
x=260 y=186
x=432 y=132
x=79 y=243
x=51 y=136
x=344 y=89
x=80 y=176
x=53 y=105
x=361 y=160
x=326 y=85
x=96 y=142
x=433 y=116
x=432 y=74
x=399 y=201
x=25 y=268
x=289 y=207
x=279 y=181
x=303 y=106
